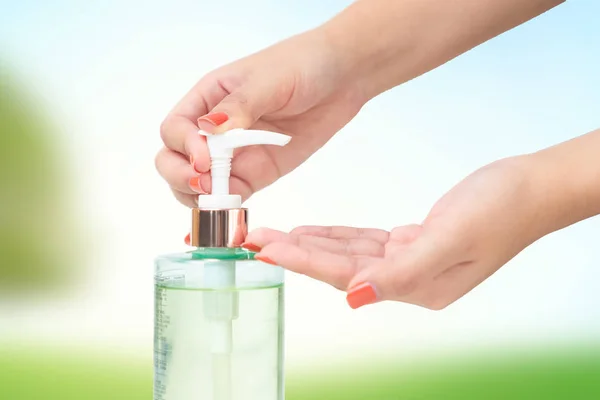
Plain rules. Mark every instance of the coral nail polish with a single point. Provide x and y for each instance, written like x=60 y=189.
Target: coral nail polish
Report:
x=215 y=119
x=195 y=185
x=361 y=295
x=265 y=259
x=251 y=247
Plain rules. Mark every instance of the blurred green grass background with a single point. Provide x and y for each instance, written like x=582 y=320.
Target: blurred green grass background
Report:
x=38 y=230
x=559 y=374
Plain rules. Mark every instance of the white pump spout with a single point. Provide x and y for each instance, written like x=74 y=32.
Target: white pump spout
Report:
x=220 y=147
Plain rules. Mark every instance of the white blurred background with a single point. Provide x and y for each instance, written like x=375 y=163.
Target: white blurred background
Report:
x=109 y=72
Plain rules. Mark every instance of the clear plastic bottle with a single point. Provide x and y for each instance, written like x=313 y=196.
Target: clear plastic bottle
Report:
x=218 y=343
x=218 y=311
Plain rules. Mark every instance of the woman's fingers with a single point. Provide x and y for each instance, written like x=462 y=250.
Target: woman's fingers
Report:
x=334 y=269
x=179 y=130
x=177 y=171
x=236 y=185
x=188 y=200
x=259 y=238
x=182 y=177
x=181 y=135
x=343 y=232
x=351 y=247
x=355 y=260
x=364 y=247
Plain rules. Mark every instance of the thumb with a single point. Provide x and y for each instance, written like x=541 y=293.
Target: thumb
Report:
x=239 y=109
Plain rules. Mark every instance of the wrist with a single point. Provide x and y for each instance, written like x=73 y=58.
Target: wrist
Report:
x=328 y=66
x=565 y=182
x=523 y=197
x=381 y=44
x=540 y=199
x=362 y=53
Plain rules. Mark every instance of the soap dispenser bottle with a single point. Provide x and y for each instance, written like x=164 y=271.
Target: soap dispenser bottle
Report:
x=218 y=331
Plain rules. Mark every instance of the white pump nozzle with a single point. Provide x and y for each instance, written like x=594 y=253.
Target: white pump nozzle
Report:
x=222 y=145
x=221 y=148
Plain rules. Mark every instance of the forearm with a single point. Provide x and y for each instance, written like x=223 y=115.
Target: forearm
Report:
x=566 y=180
x=384 y=43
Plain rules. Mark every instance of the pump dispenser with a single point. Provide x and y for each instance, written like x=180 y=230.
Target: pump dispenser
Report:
x=226 y=228
x=234 y=350
x=221 y=149
x=219 y=221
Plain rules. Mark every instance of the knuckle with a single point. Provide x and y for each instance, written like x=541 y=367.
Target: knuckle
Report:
x=405 y=234
x=397 y=232
x=164 y=130
x=238 y=98
x=158 y=160
x=238 y=104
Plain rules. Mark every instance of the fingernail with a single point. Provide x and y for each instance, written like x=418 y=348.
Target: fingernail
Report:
x=195 y=185
x=361 y=295
x=214 y=119
x=251 y=247
x=188 y=239
x=265 y=259
x=193 y=163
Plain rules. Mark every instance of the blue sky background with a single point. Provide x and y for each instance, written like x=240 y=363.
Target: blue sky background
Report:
x=109 y=72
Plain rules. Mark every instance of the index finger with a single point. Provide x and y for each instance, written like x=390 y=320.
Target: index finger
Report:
x=335 y=269
x=343 y=232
